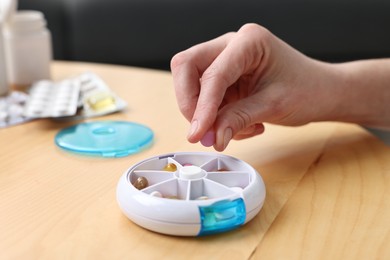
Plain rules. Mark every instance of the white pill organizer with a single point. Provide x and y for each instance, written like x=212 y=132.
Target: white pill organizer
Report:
x=191 y=193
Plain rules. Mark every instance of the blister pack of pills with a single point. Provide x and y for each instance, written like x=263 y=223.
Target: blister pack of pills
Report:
x=73 y=98
x=11 y=109
x=83 y=96
x=50 y=99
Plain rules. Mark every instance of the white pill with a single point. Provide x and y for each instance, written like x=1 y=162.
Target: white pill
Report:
x=156 y=194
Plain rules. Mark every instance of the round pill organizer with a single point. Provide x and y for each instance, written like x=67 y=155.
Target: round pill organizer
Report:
x=191 y=193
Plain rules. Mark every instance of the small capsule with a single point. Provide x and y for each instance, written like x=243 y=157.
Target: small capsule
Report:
x=141 y=183
x=223 y=170
x=172 y=197
x=101 y=101
x=170 y=167
x=202 y=198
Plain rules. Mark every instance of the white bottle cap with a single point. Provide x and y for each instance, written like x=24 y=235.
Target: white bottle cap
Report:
x=7 y=10
x=27 y=21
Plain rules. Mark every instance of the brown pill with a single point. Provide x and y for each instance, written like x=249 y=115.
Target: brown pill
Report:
x=141 y=183
x=223 y=170
x=172 y=197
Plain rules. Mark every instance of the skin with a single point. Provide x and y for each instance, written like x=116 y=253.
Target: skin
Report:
x=229 y=86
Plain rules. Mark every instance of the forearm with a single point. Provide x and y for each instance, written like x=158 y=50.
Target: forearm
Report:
x=363 y=92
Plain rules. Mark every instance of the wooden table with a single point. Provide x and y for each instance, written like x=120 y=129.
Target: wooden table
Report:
x=328 y=187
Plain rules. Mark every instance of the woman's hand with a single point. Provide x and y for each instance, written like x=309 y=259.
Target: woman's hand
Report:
x=229 y=86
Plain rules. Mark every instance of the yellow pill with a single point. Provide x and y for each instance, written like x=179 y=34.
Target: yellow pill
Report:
x=101 y=101
x=170 y=167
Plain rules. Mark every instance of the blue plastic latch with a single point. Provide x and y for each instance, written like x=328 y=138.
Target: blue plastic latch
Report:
x=222 y=216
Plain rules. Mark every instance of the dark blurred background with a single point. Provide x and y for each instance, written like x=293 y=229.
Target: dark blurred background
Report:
x=148 y=33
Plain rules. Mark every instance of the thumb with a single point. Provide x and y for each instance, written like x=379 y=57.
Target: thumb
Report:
x=236 y=118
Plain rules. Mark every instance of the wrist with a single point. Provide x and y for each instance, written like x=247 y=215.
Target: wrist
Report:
x=362 y=92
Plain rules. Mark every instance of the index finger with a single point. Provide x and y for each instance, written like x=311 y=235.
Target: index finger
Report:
x=240 y=55
x=187 y=68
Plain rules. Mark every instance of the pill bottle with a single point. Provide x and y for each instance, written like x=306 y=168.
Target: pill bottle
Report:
x=7 y=8
x=4 y=87
x=28 y=48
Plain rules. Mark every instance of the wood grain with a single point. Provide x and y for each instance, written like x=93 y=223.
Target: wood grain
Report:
x=328 y=187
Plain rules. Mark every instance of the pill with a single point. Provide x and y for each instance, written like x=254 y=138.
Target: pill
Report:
x=140 y=183
x=202 y=198
x=156 y=194
x=3 y=105
x=101 y=101
x=15 y=110
x=223 y=170
x=18 y=97
x=170 y=167
x=3 y=115
x=15 y=120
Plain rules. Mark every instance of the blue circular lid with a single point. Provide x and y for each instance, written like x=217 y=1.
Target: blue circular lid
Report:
x=105 y=138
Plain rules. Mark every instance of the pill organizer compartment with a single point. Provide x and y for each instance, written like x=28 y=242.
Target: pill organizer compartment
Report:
x=191 y=194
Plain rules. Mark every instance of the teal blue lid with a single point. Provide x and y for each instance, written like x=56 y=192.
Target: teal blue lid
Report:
x=105 y=138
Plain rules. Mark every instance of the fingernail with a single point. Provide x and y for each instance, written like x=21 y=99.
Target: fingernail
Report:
x=208 y=139
x=227 y=136
x=194 y=127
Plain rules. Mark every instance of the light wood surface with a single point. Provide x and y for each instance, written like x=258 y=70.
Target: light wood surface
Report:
x=328 y=187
